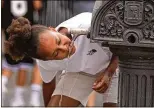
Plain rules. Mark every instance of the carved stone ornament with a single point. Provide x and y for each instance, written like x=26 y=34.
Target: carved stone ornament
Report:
x=113 y=19
x=133 y=12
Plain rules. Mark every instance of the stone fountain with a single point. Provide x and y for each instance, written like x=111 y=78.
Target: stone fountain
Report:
x=127 y=28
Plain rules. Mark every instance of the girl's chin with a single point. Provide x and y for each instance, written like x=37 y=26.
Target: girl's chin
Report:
x=73 y=50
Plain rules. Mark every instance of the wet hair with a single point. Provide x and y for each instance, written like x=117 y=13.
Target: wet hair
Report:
x=23 y=39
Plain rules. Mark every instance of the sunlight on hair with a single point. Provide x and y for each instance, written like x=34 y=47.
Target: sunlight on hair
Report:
x=17 y=58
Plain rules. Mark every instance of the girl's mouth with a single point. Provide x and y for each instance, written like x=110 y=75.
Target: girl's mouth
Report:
x=70 y=48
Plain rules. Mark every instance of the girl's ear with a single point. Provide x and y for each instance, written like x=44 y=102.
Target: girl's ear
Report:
x=51 y=28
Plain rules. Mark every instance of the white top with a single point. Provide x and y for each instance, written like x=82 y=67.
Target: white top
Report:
x=89 y=57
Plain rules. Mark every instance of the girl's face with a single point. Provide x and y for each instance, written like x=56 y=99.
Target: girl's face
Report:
x=54 y=46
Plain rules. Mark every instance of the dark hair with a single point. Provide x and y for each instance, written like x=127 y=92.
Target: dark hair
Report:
x=23 y=38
